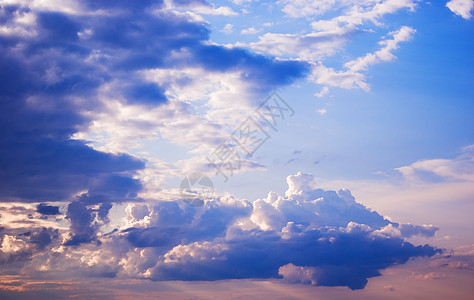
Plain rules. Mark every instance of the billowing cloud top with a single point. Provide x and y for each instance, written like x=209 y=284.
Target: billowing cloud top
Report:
x=308 y=236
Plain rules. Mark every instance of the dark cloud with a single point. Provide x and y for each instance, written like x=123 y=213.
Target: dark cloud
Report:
x=189 y=2
x=174 y=224
x=130 y=6
x=267 y=72
x=146 y=93
x=331 y=239
x=86 y=221
x=58 y=27
x=45 y=209
x=83 y=229
x=42 y=79
x=341 y=258
x=18 y=246
x=409 y=230
x=43 y=237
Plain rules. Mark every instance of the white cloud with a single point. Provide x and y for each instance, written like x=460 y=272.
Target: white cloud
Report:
x=12 y=244
x=330 y=35
x=461 y=8
x=295 y=274
x=324 y=91
x=344 y=79
x=240 y=2
x=404 y=34
x=312 y=46
x=66 y=6
x=228 y=29
x=322 y=111
x=359 y=13
x=460 y=168
x=354 y=12
x=224 y=100
x=211 y=10
x=352 y=77
x=305 y=8
x=198 y=7
x=250 y=30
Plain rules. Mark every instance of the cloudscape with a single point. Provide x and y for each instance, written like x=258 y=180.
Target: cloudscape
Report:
x=237 y=149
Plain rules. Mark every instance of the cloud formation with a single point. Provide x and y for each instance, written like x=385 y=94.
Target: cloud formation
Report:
x=75 y=70
x=353 y=76
x=66 y=66
x=461 y=8
x=309 y=235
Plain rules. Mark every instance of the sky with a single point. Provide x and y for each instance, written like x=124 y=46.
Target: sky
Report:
x=237 y=149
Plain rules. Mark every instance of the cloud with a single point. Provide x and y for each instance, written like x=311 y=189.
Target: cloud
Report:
x=460 y=169
x=70 y=68
x=299 y=9
x=353 y=12
x=83 y=229
x=403 y=34
x=200 y=7
x=366 y=11
x=324 y=91
x=250 y=30
x=18 y=246
x=389 y=288
x=228 y=29
x=312 y=46
x=309 y=236
x=45 y=209
x=461 y=8
x=74 y=70
x=430 y=276
x=322 y=111
x=352 y=76
x=408 y=230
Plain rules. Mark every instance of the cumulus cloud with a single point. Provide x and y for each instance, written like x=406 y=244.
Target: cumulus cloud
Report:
x=461 y=8
x=18 y=246
x=308 y=236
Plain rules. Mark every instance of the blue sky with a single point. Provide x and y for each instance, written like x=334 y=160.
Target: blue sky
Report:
x=337 y=135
